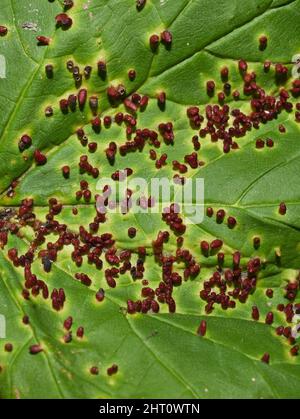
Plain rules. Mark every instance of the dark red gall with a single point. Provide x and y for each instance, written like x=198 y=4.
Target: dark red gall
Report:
x=66 y=171
x=35 y=349
x=140 y=4
x=40 y=158
x=154 y=42
x=202 y=328
x=255 y=313
x=112 y=370
x=43 y=40
x=94 y=370
x=3 y=30
x=8 y=347
x=282 y=208
x=49 y=71
x=63 y=21
x=131 y=75
x=263 y=42
x=269 y=318
x=266 y=358
x=166 y=38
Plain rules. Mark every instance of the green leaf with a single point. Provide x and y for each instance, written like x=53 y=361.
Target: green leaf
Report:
x=158 y=355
